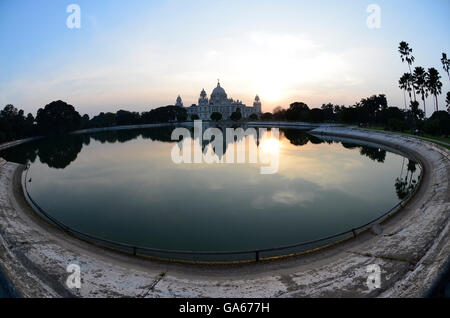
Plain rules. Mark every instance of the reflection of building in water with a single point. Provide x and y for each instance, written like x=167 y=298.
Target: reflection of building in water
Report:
x=220 y=103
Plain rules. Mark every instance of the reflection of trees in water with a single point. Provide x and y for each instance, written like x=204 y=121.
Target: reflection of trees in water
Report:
x=375 y=154
x=59 y=152
x=162 y=134
x=23 y=154
x=404 y=186
x=348 y=145
x=297 y=137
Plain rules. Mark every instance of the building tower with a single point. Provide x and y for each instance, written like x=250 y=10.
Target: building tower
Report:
x=179 y=102
x=203 y=100
x=257 y=105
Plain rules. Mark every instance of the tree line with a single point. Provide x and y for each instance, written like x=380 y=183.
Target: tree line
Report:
x=58 y=118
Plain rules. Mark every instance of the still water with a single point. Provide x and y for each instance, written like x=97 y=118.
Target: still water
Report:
x=123 y=186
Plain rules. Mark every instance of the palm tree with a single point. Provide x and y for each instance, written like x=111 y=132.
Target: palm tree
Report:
x=406 y=55
x=447 y=101
x=445 y=64
x=420 y=84
x=434 y=84
x=406 y=83
x=403 y=84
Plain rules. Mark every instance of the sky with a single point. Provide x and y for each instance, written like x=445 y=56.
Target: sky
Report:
x=142 y=54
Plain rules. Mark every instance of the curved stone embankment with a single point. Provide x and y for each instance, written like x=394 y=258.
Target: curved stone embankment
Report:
x=17 y=142
x=412 y=251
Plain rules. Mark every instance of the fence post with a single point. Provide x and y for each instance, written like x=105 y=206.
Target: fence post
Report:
x=257 y=256
x=354 y=232
x=134 y=251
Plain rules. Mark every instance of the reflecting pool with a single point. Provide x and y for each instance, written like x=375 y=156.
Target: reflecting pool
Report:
x=123 y=186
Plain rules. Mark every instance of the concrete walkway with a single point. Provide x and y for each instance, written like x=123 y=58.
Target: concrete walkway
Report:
x=412 y=250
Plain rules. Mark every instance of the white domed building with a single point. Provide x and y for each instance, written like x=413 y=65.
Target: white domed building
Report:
x=220 y=103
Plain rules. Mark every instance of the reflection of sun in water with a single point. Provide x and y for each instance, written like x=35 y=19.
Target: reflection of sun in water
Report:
x=271 y=146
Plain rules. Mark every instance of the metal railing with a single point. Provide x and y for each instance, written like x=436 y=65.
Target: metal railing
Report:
x=147 y=251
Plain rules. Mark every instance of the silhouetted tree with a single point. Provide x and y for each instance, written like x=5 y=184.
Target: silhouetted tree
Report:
x=236 y=115
x=14 y=125
x=438 y=123
x=328 y=112
x=164 y=115
x=434 y=84
x=124 y=117
x=445 y=64
x=316 y=115
x=405 y=83
x=85 y=121
x=279 y=113
x=298 y=111
x=447 y=101
x=406 y=55
x=267 y=116
x=253 y=117
x=103 y=120
x=420 y=84
x=216 y=116
x=58 y=118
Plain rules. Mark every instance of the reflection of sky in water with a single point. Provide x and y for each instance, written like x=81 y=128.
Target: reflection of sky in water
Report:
x=133 y=192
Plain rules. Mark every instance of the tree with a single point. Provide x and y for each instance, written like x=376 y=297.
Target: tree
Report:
x=253 y=117
x=438 y=123
x=420 y=84
x=434 y=84
x=267 y=116
x=14 y=125
x=328 y=111
x=406 y=56
x=406 y=83
x=124 y=117
x=57 y=118
x=446 y=64
x=372 y=105
x=279 y=113
x=216 y=116
x=236 y=115
x=415 y=113
x=298 y=111
x=103 y=120
x=164 y=114
x=447 y=101
x=85 y=121
x=316 y=115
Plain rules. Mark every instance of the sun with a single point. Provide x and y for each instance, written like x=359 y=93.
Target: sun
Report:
x=271 y=91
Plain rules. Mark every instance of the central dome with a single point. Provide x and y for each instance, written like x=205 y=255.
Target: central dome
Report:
x=218 y=92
